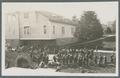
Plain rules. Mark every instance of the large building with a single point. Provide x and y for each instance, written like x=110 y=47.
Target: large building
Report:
x=38 y=28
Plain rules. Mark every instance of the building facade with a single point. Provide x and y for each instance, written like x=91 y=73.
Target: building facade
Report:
x=38 y=27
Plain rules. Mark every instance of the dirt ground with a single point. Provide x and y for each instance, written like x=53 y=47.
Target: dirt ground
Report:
x=91 y=69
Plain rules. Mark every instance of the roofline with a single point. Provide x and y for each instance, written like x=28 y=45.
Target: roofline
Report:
x=62 y=22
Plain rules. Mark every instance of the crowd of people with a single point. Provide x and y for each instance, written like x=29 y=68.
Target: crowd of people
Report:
x=80 y=57
x=70 y=57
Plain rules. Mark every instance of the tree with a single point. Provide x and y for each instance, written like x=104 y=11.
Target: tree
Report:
x=108 y=30
x=89 y=27
x=74 y=18
x=114 y=27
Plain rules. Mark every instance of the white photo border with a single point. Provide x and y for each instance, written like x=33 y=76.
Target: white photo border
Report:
x=75 y=74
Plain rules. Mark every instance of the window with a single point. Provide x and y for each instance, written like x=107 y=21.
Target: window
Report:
x=53 y=29
x=26 y=30
x=26 y=15
x=45 y=30
x=14 y=24
x=63 y=30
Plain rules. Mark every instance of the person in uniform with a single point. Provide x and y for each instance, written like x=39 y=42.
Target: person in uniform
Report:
x=104 y=60
x=63 y=59
x=80 y=60
x=101 y=60
x=54 y=58
x=58 y=67
x=71 y=58
x=40 y=57
x=46 y=59
x=112 y=58
x=95 y=60
x=67 y=59
x=42 y=64
x=98 y=60
x=44 y=56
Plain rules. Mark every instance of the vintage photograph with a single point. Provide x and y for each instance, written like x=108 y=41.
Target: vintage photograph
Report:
x=60 y=39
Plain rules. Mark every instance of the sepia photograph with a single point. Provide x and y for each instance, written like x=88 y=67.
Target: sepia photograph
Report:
x=60 y=38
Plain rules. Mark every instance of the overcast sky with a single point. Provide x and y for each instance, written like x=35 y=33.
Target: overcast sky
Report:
x=106 y=11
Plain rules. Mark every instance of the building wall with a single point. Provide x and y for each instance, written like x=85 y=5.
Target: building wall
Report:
x=11 y=26
x=37 y=28
x=58 y=30
x=30 y=26
x=12 y=29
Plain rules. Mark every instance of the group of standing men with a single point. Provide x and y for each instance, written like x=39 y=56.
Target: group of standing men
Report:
x=66 y=56
x=79 y=57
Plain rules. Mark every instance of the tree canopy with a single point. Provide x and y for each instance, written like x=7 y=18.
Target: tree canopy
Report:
x=89 y=27
x=108 y=30
x=114 y=27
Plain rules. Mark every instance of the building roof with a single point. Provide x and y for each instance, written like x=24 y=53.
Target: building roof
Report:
x=92 y=41
x=52 y=17
x=57 y=18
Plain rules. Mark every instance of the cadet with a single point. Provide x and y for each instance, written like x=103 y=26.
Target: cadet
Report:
x=95 y=59
x=112 y=58
x=54 y=58
x=58 y=67
x=104 y=60
x=42 y=64
x=46 y=59
x=101 y=60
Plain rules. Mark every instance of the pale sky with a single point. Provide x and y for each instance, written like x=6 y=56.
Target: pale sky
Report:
x=106 y=11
